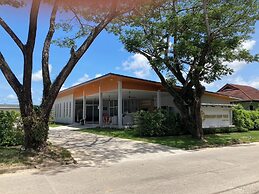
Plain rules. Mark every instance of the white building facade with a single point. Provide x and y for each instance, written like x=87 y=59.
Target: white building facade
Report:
x=113 y=99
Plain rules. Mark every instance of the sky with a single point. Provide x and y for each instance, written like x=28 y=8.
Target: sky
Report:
x=105 y=55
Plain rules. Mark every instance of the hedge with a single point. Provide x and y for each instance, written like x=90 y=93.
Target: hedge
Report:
x=245 y=118
x=157 y=123
x=224 y=130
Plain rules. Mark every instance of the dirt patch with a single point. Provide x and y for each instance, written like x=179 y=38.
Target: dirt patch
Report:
x=14 y=159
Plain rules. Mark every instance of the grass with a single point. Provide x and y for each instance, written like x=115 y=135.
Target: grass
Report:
x=55 y=125
x=184 y=141
x=13 y=159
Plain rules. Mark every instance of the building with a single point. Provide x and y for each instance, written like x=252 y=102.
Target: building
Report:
x=247 y=96
x=9 y=107
x=116 y=98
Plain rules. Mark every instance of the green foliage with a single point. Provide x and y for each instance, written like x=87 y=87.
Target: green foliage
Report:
x=13 y=3
x=244 y=118
x=11 y=132
x=256 y=122
x=224 y=130
x=157 y=123
x=176 y=37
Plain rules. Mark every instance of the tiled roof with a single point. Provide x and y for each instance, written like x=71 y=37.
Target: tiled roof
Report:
x=240 y=91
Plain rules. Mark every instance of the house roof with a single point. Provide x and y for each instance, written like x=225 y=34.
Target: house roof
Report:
x=134 y=83
x=240 y=91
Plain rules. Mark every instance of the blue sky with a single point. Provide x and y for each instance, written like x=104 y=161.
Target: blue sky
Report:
x=105 y=55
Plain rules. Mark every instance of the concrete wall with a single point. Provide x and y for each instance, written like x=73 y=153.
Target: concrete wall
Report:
x=64 y=110
x=216 y=116
x=214 y=100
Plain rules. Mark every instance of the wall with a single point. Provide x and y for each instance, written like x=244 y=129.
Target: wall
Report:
x=215 y=100
x=216 y=116
x=64 y=110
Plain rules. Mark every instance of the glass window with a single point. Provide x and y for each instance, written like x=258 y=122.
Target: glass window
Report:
x=70 y=109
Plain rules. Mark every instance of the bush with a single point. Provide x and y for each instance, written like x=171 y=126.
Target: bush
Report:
x=244 y=118
x=257 y=124
x=11 y=132
x=157 y=123
x=224 y=130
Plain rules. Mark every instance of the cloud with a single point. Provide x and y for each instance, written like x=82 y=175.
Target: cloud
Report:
x=11 y=97
x=137 y=64
x=82 y=79
x=248 y=44
x=237 y=65
x=63 y=87
x=240 y=80
x=37 y=76
x=98 y=75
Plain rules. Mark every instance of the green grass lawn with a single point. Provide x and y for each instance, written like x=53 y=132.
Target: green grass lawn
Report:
x=184 y=141
x=55 y=125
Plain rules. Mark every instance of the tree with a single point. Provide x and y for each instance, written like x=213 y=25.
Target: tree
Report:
x=188 y=43
x=92 y=17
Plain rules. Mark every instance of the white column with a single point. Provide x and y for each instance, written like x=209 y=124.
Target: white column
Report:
x=100 y=107
x=73 y=109
x=119 y=104
x=230 y=117
x=158 y=99
x=84 y=106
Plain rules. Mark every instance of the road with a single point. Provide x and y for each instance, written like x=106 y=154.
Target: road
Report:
x=216 y=170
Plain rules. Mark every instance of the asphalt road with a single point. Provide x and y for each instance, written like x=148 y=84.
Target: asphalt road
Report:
x=209 y=171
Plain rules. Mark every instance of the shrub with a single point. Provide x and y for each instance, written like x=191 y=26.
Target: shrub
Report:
x=224 y=130
x=11 y=132
x=257 y=124
x=244 y=118
x=157 y=123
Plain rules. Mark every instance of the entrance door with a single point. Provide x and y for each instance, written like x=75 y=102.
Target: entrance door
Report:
x=96 y=113
x=89 y=113
x=92 y=113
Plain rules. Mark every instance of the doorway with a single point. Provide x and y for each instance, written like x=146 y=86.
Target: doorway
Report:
x=92 y=113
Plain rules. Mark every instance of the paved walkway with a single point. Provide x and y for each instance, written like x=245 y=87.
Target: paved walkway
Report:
x=95 y=150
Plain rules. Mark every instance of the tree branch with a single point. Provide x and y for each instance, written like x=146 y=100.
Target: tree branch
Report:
x=33 y=24
x=29 y=48
x=75 y=57
x=12 y=34
x=9 y=75
x=46 y=49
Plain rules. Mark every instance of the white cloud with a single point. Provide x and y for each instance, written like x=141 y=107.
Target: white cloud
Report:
x=82 y=79
x=98 y=75
x=11 y=97
x=137 y=64
x=237 y=65
x=239 y=80
x=248 y=44
x=37 y=76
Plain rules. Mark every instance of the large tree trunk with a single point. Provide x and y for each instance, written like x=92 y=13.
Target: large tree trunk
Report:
x=35 y=132
x=190 y=111
x=35 y=125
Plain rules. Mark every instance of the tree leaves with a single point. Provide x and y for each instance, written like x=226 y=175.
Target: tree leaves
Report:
x=231 y=23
